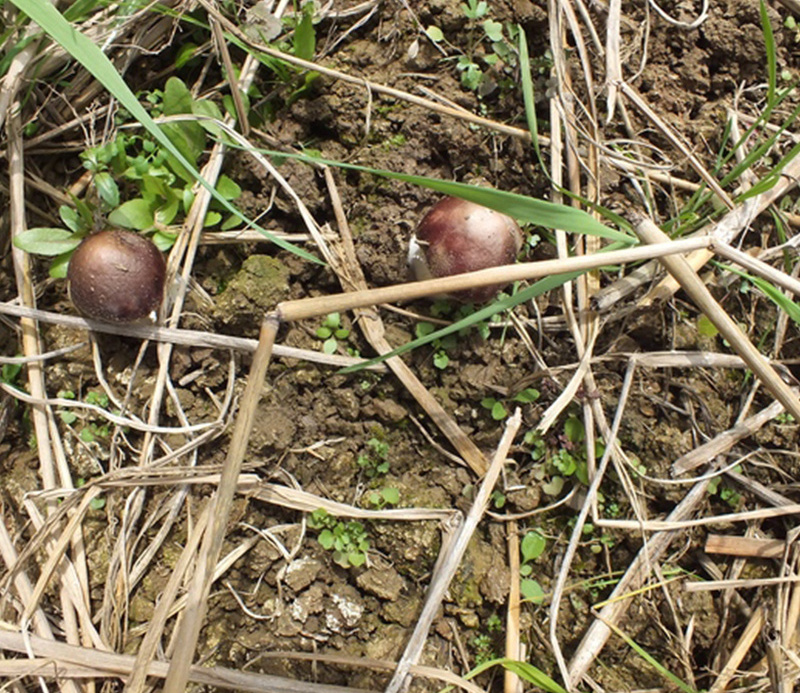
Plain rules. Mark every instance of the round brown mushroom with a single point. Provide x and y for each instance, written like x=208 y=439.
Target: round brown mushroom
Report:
x=116 y=276
x=458 y=236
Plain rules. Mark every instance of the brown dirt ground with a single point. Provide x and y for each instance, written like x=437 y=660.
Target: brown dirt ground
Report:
x=313 y=424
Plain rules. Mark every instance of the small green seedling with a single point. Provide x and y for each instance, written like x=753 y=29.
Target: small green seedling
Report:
x=489 y=58
x=348 y=541
x=532 y=546
x=440 y=346
x=499 y=410
x=443 y=308
x=568 y=459
x=485 y=644
x=726 y=493
x=375 y=462
x=596 y=544
x=98 y=502
x=382 y=498
x=90 y=429
x=331 y=331
x=498 y=499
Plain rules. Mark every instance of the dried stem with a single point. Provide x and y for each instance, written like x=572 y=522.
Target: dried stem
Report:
x=693 y=285
x=315 y=306
x=221 y=504
x=450 y=560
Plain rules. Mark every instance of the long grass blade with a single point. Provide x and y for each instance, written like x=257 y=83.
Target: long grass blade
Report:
x=528 y=98
x=772 y=59
x=526 y=671
x=540 y=287
x=527 y=210
x=652 y=661
x=773 y=293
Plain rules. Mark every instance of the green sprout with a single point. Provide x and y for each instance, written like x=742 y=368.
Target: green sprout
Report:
x=382 y=498
x=331 y=331
x=532 y=546
x=348 y=541
x=375 y=462
x=498 y=409
x=568 y=459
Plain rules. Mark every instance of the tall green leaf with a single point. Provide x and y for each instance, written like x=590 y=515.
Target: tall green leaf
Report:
x=527 y=97
x=772 y=292
x=537 y=289
x=652 y=661
x=305 y=39
x=772 y=59
x=528 y=210
x=526 y=671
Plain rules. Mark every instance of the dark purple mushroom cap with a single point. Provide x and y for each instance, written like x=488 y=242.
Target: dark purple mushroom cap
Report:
x=457 y=236
x=116 y=276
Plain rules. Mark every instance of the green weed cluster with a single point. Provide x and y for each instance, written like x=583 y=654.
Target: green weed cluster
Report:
x=347 y=540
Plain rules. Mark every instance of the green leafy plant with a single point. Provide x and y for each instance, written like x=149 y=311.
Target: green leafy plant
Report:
x=489 y=58
x=155 y=185
x=498 y=409
x=483 y=646
x=440 y=346
x=596 y=543
x=498 y=499
x=89 y=429
x=88 y=54
x=348 y=541
x=330 y=331
x=486 y=643
x=564 y=456
x=532 y=546
x=375 y=461
x=727 y=493
x=292 y=83
x=382 y=498
x=494 y=624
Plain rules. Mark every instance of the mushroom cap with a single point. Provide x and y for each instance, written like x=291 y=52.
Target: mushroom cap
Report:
x=458 y=236
x=116 y=276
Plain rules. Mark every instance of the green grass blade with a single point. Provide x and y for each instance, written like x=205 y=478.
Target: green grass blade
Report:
x=527 y=672
x=526 y=294
x=527 y=97
x=772 y=60
x=95 y=62
x=9 y=56
x=527 y=210
x=758 y=152
x=652 y=661
x=773 y=293
x=540 y=287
